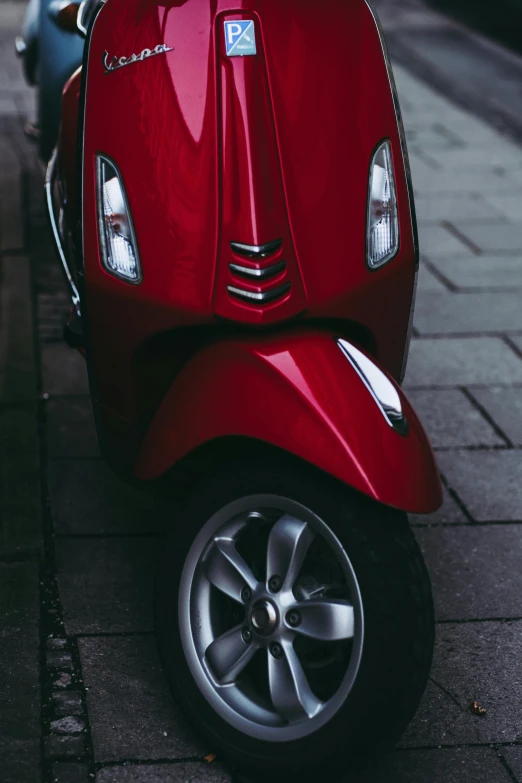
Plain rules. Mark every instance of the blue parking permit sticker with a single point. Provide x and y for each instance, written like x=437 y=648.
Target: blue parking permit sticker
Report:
x=240 y=37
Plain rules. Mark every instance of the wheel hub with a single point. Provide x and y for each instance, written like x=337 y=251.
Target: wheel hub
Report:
x=264 y=617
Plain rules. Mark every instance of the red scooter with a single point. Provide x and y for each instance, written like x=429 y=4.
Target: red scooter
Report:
x=230 y=199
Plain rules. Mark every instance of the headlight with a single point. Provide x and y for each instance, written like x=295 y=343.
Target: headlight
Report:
x=382 y=242
x=118 y=249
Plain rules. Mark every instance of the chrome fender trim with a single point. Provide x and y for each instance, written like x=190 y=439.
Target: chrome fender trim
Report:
x=383 y=391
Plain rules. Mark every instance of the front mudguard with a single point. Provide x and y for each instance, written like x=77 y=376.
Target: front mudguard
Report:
x=299 y=392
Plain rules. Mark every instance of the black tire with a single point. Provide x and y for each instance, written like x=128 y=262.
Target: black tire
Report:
x=398 y=617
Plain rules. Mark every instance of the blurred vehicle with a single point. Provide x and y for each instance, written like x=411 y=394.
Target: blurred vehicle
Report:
x=500 y=21
x=238 y=234
x=50 y=54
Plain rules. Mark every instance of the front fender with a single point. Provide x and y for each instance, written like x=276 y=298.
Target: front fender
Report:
x=299 y=392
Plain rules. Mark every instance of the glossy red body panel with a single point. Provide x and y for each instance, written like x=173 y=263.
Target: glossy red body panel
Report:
x=214 y=150
x=241 y=149
x=254 y=208
x=298 y=392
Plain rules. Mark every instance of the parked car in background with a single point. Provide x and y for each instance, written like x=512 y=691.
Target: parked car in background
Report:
x=50 y=56
x=500 y=20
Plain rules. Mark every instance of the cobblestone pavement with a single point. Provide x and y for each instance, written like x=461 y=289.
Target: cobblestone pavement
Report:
x=83 y=696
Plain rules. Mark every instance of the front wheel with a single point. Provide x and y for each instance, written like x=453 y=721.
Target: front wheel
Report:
x=294 y=619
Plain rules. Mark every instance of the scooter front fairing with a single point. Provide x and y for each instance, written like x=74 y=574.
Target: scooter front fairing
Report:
x=246 y=185
x=309 y=394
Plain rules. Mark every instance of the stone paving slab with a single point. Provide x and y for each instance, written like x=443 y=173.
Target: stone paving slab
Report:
x=452 y=420
x=449 y=514
x=20 y=492
x=11 y=212
x=19 y=601
x=459 y=765
x=473 y=361
x=70 y=772
x=17 y=361
x=473 y=662
x=437 y=240
x=132 y=713
x=88 y=499
x=492 y=272
x=456 y=313
x=492 y=237
x=434 y=181
x=488 y=482
x=506 y=156
x=507 y=203
x=475 y=570
x=505 y=408
x=20 y=707
x=468 y=206
x=513 y=757
x=429 y=136
x=194 y=772
x=428 y=282
x=106 y=584
x=20 y=761
x=64 y=371
x=71 y=431
x=19 y=673
x=52 y=313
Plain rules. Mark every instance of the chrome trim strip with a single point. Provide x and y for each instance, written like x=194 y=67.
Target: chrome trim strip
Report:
x=81 y=118
x=379 y=385
x=409 y=333
x=86 y=11
x=407 y=168
x=402 y=134
x=260 y=298
x=49 y=179
x=260 y=274
x=257 y=251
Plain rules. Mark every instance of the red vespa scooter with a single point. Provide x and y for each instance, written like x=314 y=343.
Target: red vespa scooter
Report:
x=238 y=232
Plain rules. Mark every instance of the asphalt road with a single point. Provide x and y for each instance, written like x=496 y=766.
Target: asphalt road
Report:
x=478 y=73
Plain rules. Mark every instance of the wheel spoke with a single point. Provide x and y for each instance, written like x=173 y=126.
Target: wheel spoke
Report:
x=228 y=655
x=227 y=571
x=291 y=694
x=327 y=620
x=288 y=544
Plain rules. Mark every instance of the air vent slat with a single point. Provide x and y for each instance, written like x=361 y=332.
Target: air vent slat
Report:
x=258 y=274
x=257 y=251
x=255 y=297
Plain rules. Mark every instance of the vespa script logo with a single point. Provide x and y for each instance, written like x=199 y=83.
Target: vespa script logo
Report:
x=113 y=63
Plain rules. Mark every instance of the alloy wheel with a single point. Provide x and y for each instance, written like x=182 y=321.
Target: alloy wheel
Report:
x=271 y=618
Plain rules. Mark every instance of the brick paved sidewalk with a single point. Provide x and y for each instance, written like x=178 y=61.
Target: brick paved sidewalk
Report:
x=83 y=696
